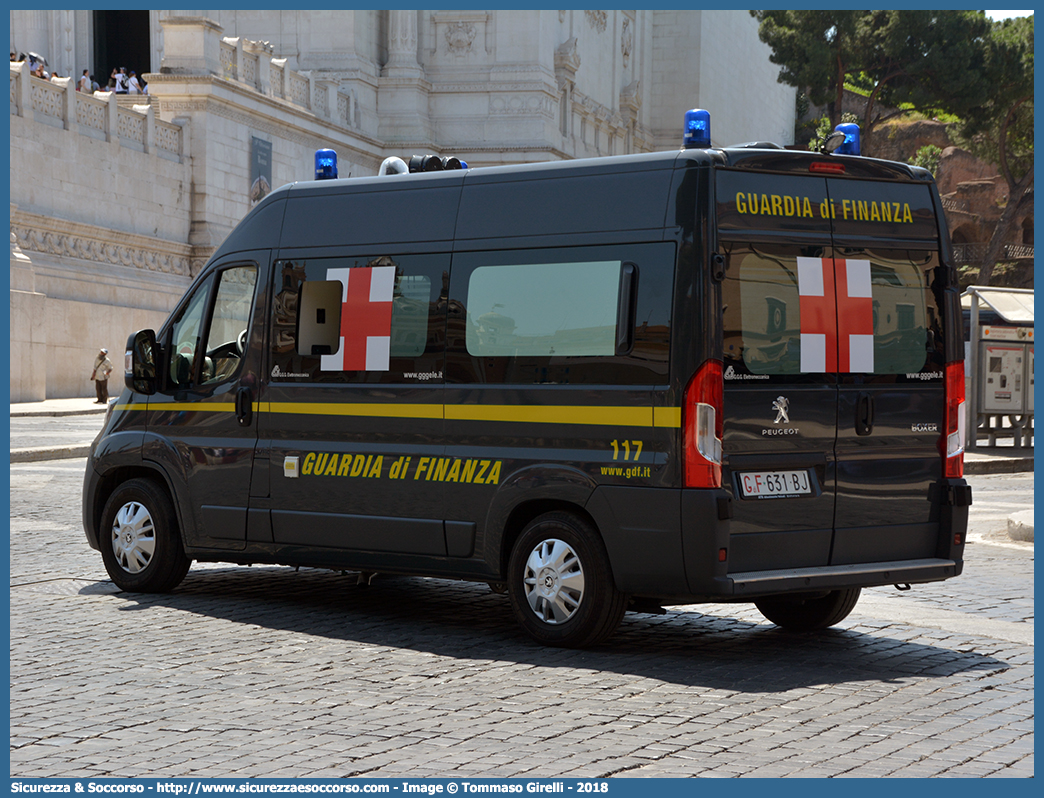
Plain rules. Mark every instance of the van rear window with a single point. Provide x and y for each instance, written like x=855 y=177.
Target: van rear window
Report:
x=796 y=310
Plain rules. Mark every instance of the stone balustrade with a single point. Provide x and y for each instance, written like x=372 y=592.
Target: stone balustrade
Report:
x=251 y=63
x=97 y=115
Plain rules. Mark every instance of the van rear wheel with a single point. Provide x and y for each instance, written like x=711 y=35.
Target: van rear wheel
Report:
x=140 y=544
x=808 y=613
x=560 y=582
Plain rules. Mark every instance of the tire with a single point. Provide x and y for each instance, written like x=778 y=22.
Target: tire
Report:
x=139 y=538
x=808 y=613
x=560 y=583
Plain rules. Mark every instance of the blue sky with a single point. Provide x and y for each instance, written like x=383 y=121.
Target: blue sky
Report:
x=1006 y=14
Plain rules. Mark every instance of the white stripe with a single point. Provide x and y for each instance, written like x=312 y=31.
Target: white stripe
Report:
x=861 y=354
x=382 y=283
x=334 y=362
x=813 y=353
x=858 y=278
x=342 y=276
x=810 y=277
x=378 y=352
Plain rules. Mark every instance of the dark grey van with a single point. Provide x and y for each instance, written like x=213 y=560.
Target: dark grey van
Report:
x=707 y=375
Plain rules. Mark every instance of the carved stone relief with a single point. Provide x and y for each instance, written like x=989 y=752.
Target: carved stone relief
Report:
x=459 y=37
x=597 y=19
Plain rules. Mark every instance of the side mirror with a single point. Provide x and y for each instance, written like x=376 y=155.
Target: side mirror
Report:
x=140 y=362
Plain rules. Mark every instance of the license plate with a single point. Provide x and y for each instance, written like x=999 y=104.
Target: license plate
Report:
x=774 y=484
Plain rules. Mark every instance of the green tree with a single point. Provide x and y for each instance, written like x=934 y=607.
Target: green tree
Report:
x=914 y=60
x=928 y=157
x=815 y=49
x=1000 y=129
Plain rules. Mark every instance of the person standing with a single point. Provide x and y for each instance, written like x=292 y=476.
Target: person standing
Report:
x=100 y=375
x=85 y=83
x=133 y=86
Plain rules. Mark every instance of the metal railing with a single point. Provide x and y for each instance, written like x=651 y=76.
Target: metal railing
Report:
x=974 y=253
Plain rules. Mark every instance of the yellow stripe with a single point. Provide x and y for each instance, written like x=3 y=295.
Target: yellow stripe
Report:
x=524 y=414
x=350 y=409
x=195 y=407
x=667 y=417
x=553 y=414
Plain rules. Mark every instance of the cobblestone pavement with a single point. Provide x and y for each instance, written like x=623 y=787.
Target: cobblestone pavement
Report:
x=49 y=432
x=270 y=672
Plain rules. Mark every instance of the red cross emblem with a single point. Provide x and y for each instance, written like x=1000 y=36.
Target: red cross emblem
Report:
x=366 y=312
x=837 y=315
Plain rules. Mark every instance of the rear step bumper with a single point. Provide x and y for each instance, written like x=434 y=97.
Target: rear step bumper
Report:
x=833 y=577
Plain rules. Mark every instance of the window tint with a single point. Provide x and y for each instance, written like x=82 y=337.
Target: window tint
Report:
x=762 y=310
x=544 y=309
x=366 y=319
x=185 y=338
x=795 y=310
x=554 y=316
x=908 y=330
x=227 y=336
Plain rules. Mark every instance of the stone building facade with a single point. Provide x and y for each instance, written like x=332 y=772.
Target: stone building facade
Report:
x=116 y=202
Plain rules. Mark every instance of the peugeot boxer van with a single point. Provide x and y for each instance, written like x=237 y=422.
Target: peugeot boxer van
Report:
x=706 y=375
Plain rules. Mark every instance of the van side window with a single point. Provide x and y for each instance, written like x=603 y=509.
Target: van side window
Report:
x=229 y=323
x=544 y=309
x=585 y=315
x=367 y=319
x=184 y=339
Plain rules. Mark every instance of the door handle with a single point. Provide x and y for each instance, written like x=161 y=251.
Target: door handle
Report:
x=244 y=406
x=864 y=415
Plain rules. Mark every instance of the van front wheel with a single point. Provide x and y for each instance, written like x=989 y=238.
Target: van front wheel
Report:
x=808 y=613
x=140 y=544
x=560 y=582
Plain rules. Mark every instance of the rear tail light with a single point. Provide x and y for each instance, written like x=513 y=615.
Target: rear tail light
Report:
x=702 y=425
x=951 y=444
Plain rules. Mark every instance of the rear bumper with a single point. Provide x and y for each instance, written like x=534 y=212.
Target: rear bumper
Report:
x=834 y=577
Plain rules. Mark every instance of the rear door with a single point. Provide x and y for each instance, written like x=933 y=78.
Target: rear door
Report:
x=891 y=396
x=833 y=356
x=781 y=391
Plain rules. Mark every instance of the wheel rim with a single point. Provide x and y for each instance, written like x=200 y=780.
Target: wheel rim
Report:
x=133 y=537
x=554 y=581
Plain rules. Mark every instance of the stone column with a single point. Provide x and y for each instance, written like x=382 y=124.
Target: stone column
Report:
x=28 y=373
x=402 y=42
x=25 y=97
x=150 y=126
x=68 y=87
x=402 y=91
x=191 y=46
x=567 y=62
x=263 y=51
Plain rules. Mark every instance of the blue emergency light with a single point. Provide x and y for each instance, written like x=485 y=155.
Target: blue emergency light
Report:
x=697 y=129
x=325 y=165
x=850 y=146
